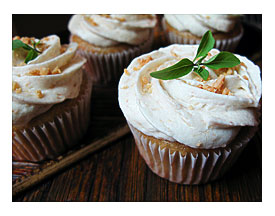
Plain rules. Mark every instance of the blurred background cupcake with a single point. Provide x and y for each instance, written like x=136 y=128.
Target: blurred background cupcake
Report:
x=50 y=98
x=189 y=29
x=109 y=42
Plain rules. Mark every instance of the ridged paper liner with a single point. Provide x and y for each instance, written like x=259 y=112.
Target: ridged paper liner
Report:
x=55 y=136
x=229 y=44
x=108 y=68
x=191 y=168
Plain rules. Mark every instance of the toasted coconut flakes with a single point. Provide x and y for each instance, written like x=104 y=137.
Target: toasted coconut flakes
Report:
x=217 y=87
x=143 y=62
x=191 y=107
x=44 y=71
x=105 y=15
x=121 y=19
x=219 y=82
x=39 y=94
x=56 y=70
x=92 y=22
x=125 y=87
x=245 y=77
x=15 y=85
x=243 y=64
x=126 y=72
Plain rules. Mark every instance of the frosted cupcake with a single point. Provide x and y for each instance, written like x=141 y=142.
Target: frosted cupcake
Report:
x=190 y=130
x=110 y=42
x=50 y=98
x=189 y=29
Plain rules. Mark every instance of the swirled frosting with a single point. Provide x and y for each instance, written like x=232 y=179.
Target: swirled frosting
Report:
x=183 y=109
x=52 y=77
x=198 y=24
x=109 y=30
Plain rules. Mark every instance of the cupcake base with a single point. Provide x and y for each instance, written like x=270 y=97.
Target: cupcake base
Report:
x=106 y=65
x=184 y=165
x=223 y=41
x=55 y=131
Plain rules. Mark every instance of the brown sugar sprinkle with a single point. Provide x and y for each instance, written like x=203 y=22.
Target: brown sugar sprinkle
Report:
x=217 y=87
x=126 y=72
x=39 y=94
x=44 y=71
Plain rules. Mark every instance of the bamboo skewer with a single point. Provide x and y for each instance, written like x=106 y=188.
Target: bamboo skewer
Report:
x=68 y=160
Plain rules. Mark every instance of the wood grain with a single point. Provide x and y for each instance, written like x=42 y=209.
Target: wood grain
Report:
x=69 y=159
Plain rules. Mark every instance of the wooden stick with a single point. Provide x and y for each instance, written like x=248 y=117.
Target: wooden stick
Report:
x=68 y=160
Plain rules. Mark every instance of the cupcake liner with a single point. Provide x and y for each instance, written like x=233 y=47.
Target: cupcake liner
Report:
x=54 y=137
x=229 y=44
x=108 y=68
x=191 y=168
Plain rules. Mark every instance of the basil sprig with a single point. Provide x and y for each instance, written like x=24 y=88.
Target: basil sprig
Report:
x=185 y=66
x=32 y=51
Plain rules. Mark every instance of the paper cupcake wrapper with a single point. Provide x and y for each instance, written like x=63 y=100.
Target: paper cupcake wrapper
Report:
x=108 y=68
x=190 y=168
x=229 y=44
x=54 y=137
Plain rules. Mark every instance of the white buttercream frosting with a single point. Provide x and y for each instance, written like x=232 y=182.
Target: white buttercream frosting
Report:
x=109 y=30
x=198 y=24
x=35 y=93
x=178 y=110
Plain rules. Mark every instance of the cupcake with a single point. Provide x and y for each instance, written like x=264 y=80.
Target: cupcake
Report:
x=189 y=130
x=110 y=42
x=189 y=29
x=50 y=98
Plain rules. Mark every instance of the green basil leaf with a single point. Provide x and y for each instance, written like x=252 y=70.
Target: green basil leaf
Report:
x=182 y=68
x=31 y=55
x=18 y=44
x=206 y=44
x=202 y=72
x=222 y=60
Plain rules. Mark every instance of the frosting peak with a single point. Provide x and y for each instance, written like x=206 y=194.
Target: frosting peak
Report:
x=185 y=109
x=52 y=77
x=198 y=24
x=109 y=30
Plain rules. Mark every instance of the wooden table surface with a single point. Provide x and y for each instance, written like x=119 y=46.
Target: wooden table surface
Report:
x=118 y=173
